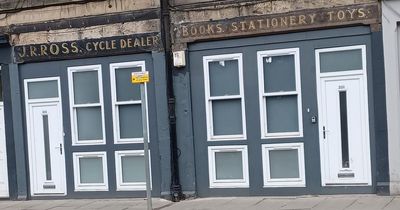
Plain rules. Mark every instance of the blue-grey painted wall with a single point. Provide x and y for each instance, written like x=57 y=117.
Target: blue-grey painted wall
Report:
x=16 y=150
x=381 y=128
x=185 y=139
x=16 y=158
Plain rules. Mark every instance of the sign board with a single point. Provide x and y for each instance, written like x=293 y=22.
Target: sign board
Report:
x=87 y=48
x=358 y=14
x=140 y=77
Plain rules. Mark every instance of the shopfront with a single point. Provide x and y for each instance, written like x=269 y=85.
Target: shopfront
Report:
x=82 y=116
x=290 y=113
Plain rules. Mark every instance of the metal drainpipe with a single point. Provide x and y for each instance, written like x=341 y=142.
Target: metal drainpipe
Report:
x=175 y=188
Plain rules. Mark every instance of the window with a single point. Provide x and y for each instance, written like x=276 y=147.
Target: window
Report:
x=86 y=102
x=130 y=170
x=42 y=89
x=126 y=102
x=280 y=93
x=223 y=78
x=332 y=61
x=90 y=171
x=228 y=166
x=283 y=165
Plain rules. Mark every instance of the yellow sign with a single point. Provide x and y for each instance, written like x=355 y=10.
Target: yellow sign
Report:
x=140 y=77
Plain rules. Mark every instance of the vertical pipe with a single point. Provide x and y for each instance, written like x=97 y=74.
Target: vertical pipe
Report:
x=176 y=189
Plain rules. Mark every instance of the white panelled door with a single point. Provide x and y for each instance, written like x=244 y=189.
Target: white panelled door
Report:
x=344 y=134
x=3 y=157
x=46 y=146
x=45 y=136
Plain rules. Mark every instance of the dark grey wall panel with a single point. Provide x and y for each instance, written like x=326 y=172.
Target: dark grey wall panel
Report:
x=160 y=84
x=378 y=74
x=14 y=135
x=184 y=131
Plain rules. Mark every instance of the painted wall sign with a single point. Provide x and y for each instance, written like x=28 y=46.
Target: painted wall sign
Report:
x=88 y=48
x=304 y=19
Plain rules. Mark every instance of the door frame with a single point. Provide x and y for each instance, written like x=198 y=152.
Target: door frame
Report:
x=46 y=101
x=6 y=191
x=364 y=86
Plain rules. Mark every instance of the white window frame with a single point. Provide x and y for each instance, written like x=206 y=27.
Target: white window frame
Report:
x=29 y=102
x=362 y=71
x=283 y=182
x=229 y=183
x=209 y=98
x=115 y=103
x=344 y=74
x=129 y=186
x=90 y=186
x=261 y=55
x=74 y=123
x=42 y=79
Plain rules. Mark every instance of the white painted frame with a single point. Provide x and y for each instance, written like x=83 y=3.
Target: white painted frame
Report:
x=209 y=99
x=228 y=183
x=30 y=129
x=362 y=71
x=4 y=191
x=343 y=74
x=261 y=55
x=115 y=104
x=129 y=186
x=73 y=106
x=89 y=186
x=283 y=182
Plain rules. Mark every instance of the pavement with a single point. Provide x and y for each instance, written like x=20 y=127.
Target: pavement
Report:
x=335 y=202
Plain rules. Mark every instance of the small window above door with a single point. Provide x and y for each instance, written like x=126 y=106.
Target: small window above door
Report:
x=350 y=59
x=43 y=88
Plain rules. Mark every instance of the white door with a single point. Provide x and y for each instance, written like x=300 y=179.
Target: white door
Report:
x=344 y=135
x=3 y=157
x=45 y=139
x=46 y=147
x=343 y=119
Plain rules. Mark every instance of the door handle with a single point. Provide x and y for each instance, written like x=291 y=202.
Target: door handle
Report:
x=324 y=132
x=61 y=148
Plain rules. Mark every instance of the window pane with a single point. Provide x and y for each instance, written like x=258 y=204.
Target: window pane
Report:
x=279 y=73
x=125 y=89
x=227 y=117
x=344 y=129
x=341 y=60
x=228 y=165
x=284 y=164
x=133 y=169
x=220 y=72
x=130 y=121
x=86 y=87
x=282 y=114
x=89 y=123
x=47 y=158
x=44 y=89
x=91 y=170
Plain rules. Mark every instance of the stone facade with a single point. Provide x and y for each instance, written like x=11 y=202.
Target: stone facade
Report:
x=76 y=10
